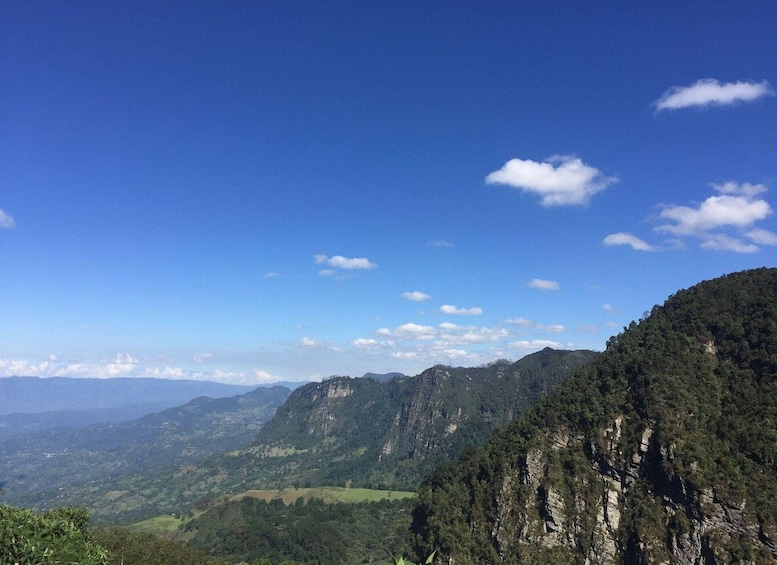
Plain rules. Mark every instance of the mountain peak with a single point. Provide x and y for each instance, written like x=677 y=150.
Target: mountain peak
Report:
x=663 y=449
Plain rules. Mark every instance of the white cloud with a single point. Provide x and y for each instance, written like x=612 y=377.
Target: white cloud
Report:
x=409 y=331
x=308 y=343
x=745 y=188
x=453 y=334
x=531 y=324
x=715 y=212
x=340 y=262
x=762 y=237
x=453 y=310
x=570 y=182
x=232 y=377
x=736 y=207
x=543 y=284
x=22 y=368
x=522 y=322
x=723 y=242
x=271 y=275
x=625 y=238
x=167 y=373
x=535 y=344
x=123 y=364
x=265 y=377
x=202 y=357
x=416 y=296
x=371 y=344
x=707 y=92
x=6 y=220
x=609 y=308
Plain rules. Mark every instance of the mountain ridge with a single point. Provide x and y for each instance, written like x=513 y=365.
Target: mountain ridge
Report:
x=349 y=431
x=661 y=450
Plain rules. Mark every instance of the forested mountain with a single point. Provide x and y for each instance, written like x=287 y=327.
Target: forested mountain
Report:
x=662 y=450
x=390 y=434
x=355 y=431
x=42 y=469
x=358 y=432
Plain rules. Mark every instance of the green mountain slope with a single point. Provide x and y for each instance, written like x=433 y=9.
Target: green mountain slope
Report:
x=663 y=450
x=352 y=431
x=390 y=434
x=46 y=468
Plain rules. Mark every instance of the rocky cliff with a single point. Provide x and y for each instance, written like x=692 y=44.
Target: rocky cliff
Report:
x=663 y=450
x=388 y=434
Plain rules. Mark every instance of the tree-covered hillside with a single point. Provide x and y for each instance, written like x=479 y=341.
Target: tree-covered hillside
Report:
x=350 y=431
x=388 y=435
x=664 y=449
x=75 y=465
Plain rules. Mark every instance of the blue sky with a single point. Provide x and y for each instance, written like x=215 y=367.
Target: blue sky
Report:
x=260 y=191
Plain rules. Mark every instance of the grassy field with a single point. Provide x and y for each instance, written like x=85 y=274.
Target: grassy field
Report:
x=327 y=494
x=164 y=526
x=168 y=525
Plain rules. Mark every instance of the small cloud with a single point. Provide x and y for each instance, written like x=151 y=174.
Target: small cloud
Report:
x=415 y=296
x=340 y=262
x=453 y=310
x=531 y=324
x=6 y=220
x=440 y=243
x=453 y=334
x=562 y=180
x=729 y=209
x=610 y=309
x=534 y=344
x=735 y=208
x=409 y=331
x=522 y=322
x=199 y=358
x=762 y=237
x=543 y=284
x=270 y=275
x=625 y=238
x=265 y=377
x=308 y=343
x=166 y=373
x=710 y=92
x=231 y=377
x=723 y=242
x=745 y=188
x=369 y=343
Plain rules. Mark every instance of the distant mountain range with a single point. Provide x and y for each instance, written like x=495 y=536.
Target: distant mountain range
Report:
x=31 y=404
x=343 y=431
x=39 y=469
